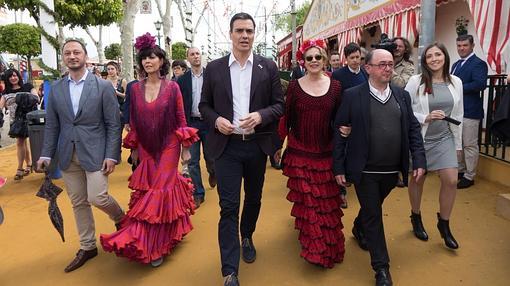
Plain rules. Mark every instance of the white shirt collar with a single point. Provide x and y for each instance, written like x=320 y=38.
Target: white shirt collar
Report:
x=81 y=79
x=467 y=58
x=381 y=95
x=354 y=71
x=200 y=74
x=232 y=59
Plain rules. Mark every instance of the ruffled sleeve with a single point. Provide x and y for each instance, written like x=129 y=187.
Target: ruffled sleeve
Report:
x=131 y=140
x=187 y=135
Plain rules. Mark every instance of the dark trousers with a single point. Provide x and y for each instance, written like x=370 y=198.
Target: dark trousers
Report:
x=371 y=192
x=194 y=163
x=240 y=160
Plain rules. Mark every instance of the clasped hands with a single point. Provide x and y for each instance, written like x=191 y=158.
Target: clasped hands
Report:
x=249 y=122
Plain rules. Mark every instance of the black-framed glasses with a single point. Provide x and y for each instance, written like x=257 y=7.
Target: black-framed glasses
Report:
x=383 y=65
x=310 y=58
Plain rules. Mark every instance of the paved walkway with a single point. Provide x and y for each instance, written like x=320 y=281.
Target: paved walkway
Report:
x=32 y=253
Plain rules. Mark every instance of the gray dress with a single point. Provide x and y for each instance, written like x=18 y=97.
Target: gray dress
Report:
x=439 y=141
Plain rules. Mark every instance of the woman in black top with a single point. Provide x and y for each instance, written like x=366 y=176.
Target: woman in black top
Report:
x=13 y=86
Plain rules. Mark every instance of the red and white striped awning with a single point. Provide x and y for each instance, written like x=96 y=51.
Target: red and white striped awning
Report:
x=403 y=25
x=352 y=35
x=492 y=23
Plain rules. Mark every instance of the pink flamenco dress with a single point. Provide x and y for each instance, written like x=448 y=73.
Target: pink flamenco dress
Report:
x=161 y=202
x=307 y=163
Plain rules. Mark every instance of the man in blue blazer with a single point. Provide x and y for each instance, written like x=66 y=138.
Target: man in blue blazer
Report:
x=473 y=73
x=377 y=131
x=352 y=74
x=191 y=88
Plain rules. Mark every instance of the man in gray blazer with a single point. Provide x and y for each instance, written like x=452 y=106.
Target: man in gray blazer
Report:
x=83 y=131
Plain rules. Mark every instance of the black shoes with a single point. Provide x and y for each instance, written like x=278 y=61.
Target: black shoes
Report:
x=212 y=180
x=360 y=237
x=444 y=229
x=465 y=183
x=418 y=229
x=383 y=277
x=231 y=280
x=82 y=256
x=248 y=250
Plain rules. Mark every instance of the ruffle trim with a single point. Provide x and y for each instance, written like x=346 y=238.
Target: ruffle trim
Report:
x=187 y=135
x=317 y=164
x=130 y=141
x=144 y=242
x=322 y=205
x=324 y=190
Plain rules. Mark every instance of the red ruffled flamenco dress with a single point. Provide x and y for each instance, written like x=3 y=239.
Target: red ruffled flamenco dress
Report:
x=307 y=163
x=161 y=202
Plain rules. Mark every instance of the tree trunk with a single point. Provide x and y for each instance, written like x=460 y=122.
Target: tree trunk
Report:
x=166 y=18
x=61 y=39
x=98 y=43
x=126 y=36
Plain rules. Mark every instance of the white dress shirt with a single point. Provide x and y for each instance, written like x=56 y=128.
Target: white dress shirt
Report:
x=381 y=96
x=240 y=78
x=196 y=90
x=354 y=71
x=75 y=90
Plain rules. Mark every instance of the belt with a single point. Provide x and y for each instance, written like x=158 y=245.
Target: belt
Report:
x=196 y=118
x=249 y=137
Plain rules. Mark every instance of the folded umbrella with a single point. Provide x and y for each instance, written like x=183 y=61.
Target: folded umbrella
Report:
x=50 y=191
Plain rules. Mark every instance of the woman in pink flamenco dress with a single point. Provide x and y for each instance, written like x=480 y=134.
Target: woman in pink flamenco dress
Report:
x=161 y=202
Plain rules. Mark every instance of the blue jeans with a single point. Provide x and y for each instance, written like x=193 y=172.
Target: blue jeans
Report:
x=194 y=164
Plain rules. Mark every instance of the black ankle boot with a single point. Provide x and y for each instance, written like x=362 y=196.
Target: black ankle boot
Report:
x=418 y=229
x=444 y=229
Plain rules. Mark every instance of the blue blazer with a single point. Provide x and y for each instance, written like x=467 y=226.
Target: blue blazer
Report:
x=348 y=79
x=350 y=154
x=473 y=74
x=186 y=85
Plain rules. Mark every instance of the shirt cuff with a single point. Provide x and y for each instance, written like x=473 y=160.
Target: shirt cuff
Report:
x=45 y=158
x=113 y=160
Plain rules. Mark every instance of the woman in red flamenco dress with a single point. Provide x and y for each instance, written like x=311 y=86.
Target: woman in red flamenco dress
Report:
x=161 y=202
x=310 y=107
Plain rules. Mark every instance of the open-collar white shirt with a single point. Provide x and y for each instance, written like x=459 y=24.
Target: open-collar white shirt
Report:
x=240 y=79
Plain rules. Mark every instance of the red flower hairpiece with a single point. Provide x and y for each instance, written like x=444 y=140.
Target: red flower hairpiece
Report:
x=313 y=43
x=145 y=41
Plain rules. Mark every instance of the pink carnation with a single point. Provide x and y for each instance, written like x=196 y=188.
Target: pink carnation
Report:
x=145 y=41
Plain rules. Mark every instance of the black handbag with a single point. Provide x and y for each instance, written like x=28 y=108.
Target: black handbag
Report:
x=19 y=128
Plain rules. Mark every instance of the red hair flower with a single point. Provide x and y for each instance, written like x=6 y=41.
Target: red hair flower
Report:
x=312 y=43
x=145 y=41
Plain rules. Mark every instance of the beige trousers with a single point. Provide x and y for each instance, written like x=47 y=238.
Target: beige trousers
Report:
x=85 y=189
x=470 y=151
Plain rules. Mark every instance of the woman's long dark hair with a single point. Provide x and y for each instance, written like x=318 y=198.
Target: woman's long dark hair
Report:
x=426 y=73
x=160 y=53
x=8 y=86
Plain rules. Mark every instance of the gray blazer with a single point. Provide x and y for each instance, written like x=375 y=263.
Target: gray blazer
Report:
x=94 y=132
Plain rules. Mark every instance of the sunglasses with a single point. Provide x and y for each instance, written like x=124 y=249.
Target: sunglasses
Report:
x=310 y=58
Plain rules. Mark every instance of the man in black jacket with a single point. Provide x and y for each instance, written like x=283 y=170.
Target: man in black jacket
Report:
x=377 y=130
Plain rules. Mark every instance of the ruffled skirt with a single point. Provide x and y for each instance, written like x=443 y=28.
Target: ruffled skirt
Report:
x=157 y=220
x=316 y=198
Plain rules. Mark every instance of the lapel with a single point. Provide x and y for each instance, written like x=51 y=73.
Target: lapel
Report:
x=85 y=94
x=364 y=97
x=255 y=75
x=189 y=84
x=225 y=71
x=67 y=95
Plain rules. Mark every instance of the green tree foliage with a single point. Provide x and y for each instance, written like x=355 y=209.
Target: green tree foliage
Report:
x=74 y=13
x=21 y=39
x=284 y=21
x=179 y=51
x=113 y=51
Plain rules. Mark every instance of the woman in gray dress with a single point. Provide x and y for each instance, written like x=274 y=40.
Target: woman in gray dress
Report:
x=437 y=95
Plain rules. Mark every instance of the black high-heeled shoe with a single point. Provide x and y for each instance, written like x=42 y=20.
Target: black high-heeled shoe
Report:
x=444 y=229
x=418 y=229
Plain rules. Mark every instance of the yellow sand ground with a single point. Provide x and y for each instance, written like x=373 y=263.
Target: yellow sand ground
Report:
x=33 y=254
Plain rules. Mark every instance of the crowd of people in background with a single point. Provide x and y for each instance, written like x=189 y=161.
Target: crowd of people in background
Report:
x=374 y=121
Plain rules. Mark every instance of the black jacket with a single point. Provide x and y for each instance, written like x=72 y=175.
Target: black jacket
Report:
x=350 y=154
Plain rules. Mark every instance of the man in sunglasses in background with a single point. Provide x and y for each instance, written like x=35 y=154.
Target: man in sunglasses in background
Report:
x=376 y=131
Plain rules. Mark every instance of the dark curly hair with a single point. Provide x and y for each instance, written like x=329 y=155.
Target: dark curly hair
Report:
x=158 y=52
x=8 y=73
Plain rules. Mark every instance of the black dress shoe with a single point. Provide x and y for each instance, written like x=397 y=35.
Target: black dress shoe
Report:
x=212 y=180
x=248 y=249
x=231 y=280
x=81 y=257
x=418 y=229
x=465 y=183
x=360 y=237
x=444 y=229
x=383 y=277
x=460 y=176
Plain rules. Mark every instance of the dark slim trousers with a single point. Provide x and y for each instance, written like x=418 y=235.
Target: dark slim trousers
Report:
x=240 y=160
x=194 y=163
x=371 y=192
